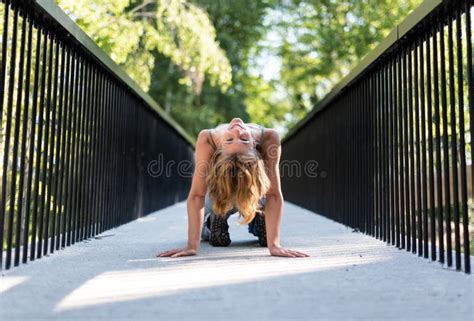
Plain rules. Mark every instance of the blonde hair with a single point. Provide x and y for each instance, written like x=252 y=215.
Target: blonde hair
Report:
x=237 y=180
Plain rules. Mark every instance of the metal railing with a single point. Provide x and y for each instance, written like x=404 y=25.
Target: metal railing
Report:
x=393 y=141
x=77 y=136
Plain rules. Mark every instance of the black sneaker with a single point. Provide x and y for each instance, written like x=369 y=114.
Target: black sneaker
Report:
x=219 y=231
x=261 y=229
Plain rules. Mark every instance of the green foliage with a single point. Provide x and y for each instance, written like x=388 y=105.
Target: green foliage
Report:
x=202 y=60
x=322 y=40
x=130 y=30
x=239 y=26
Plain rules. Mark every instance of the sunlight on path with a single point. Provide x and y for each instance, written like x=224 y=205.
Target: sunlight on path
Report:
x=347 y=276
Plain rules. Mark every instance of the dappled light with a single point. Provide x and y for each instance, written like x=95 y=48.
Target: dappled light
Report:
x=231 y=268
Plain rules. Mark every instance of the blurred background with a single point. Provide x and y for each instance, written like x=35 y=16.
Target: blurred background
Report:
x=267 y=62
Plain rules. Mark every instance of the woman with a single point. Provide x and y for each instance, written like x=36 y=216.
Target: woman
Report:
x=237 y=169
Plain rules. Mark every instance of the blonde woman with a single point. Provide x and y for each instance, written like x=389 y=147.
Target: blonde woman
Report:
x=236 y=170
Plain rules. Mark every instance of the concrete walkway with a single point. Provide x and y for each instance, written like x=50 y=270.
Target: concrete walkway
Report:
x=349 y=276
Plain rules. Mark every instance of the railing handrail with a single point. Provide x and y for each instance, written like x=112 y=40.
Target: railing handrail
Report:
x=426 y=8
x=58 y=16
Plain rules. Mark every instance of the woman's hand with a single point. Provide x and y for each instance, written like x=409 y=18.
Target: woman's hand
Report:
x=178 y=252
x=279 y=251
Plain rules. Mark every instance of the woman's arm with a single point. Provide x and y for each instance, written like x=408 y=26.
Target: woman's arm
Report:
x=195 y=201
x=274 y=196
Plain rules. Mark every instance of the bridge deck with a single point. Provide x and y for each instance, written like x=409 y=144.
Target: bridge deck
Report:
x=348 y=276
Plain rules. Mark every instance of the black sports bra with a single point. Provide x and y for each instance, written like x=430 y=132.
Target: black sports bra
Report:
x=215 y=146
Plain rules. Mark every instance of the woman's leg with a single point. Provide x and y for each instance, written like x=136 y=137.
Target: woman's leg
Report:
x=215 y=228
x=257 y=226
x=206 y=227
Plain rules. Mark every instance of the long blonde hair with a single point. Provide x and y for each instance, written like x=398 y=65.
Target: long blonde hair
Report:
x=237 y=180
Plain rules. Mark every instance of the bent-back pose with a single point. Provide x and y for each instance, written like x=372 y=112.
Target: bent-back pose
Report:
x=236 y=170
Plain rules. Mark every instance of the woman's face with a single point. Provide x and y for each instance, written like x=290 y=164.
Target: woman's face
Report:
x=237 y=137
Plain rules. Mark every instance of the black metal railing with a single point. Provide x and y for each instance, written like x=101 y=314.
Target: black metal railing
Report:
x=76 y=138
x=393 y=141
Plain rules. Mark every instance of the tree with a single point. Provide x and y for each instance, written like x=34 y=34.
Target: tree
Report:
x=130 y=30
x=322 y=40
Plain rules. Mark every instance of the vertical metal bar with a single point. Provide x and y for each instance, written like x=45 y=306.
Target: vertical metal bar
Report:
x=58 y=201
x=34 y=141
x=374 y=94
x=85 y=146
x=113 y=156
x=44 y=209
x=363 y=161
x=68 y=85
x=462 y=152
x=470 y=86
x=385 y=217
x=133 y=149
x=114 y=113
x=125 y=163
x=106 y=153
x=420 y=155
x=396 y=153
x=373 y=134
x=87 y=154
x=356 y=177
x=89 y=151
x=3 y=68
x=365 y=156
x=373 y=130
x=122 y=160
x=366 y=103
x=79 y=158
x=130 y=200
x=431 y=208
x=120 y=196
x=447 y=187
x=452 y=103
x=101 y=151
x=3 y=71
x=80 y=153
x=3 y=209
x=23 y=144
x=406 y=54
x=388 y=164
x=359 y=179
x=69 y=148
x=391 y=151
x=96 y=153
x=401 y=149
x=74 y=155
x=53 y=153
x=378 y=206
x=381 y=152
x=40 y=147
x=107 y=163
x=343 y=217
x=439 y=192
x=412 y=148
x=353 y=164
x=16 y=133
x=421 y=146
x=75 y=148
x=381 y=164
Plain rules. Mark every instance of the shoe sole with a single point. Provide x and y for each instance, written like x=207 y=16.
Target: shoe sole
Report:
x=219 y=232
